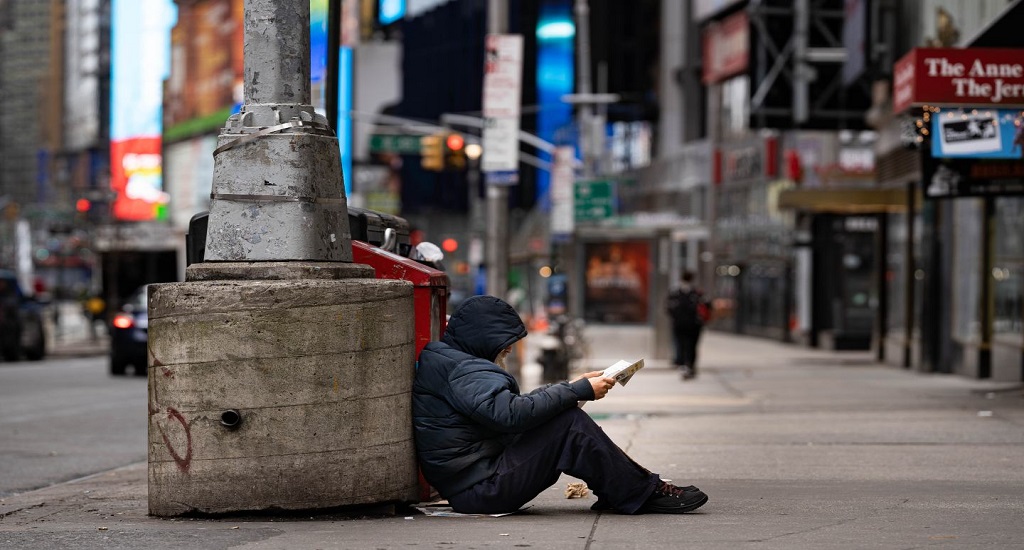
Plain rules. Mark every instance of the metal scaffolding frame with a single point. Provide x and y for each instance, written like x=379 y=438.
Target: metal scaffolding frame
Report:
x=806 y=61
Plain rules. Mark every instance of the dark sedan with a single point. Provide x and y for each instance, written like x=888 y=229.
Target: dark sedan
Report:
x=22 y=332
x=129 y=335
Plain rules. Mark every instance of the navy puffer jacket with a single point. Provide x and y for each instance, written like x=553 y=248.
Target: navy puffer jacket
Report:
x=465 y=408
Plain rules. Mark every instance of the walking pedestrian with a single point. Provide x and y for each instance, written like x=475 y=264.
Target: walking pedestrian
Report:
x=689 y=311
x=489 y=449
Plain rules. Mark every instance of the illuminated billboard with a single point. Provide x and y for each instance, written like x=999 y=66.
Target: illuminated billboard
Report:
x=198 y=48
x=556 y=34
x=205 y=86
x=978 y=133
x=140 y=61
x=207 y=66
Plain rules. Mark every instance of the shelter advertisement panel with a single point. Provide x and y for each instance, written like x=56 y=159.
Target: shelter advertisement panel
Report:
x=617 y=281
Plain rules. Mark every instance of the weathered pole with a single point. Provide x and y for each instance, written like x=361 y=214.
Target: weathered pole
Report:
x=497 y=195
x=278 y=193
x=280 y=373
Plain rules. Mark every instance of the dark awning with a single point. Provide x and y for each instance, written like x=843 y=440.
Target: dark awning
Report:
x=1003 y=31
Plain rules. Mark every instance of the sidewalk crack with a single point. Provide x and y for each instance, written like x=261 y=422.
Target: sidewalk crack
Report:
x=593 y=530
x=8 y=513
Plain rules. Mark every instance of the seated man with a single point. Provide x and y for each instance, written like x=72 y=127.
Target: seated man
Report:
x=488 y=449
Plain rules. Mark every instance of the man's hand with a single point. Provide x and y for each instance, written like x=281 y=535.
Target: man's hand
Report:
x=599 y=382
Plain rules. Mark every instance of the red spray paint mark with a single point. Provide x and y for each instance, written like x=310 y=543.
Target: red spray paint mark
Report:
x=168 y=373
x=183 y=463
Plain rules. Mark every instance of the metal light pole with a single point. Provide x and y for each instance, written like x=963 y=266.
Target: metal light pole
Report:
x=278 y=193
x=585 y=113
x=497 y=195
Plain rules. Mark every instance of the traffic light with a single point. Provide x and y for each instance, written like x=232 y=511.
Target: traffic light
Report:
x=444 y=151
x=455 y=152
x=432 y=152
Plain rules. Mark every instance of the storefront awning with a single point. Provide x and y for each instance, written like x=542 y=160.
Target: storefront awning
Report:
x=844 y=201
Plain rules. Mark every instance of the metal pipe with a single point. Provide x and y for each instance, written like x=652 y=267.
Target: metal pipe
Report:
x=231 y=419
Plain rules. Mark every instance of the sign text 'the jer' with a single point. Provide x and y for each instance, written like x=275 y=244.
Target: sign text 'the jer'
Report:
x=960 y=77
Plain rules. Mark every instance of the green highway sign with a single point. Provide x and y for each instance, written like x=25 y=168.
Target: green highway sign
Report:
x=594 y=200
x=404 y=144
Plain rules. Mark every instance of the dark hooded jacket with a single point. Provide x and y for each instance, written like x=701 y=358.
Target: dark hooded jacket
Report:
x=465 y=408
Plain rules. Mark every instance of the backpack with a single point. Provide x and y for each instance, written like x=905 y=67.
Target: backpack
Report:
x=688 y=309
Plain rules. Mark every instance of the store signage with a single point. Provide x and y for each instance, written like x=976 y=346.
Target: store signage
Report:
x=948 y=76
x=726 y=48
x=974 y=133
x=952 y=178
x=748 y=160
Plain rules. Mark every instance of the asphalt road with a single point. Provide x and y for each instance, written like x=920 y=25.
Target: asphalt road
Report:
x=61 y=419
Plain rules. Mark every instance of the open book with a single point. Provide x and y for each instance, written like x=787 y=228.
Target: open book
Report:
x=622 y=371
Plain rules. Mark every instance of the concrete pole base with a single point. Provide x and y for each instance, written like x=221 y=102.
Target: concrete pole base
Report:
x=280 y=394
x=276 y=271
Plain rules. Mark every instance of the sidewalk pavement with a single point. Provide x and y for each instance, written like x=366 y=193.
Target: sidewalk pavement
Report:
x=797 y=449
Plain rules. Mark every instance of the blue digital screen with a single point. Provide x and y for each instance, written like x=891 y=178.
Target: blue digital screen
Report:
x=391 y=11
x=556 y=33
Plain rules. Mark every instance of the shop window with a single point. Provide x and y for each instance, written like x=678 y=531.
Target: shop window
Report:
x=1008 y=270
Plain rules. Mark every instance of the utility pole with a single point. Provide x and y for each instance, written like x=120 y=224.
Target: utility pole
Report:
x=304 y=214
x=497 y=195
x=585 y=112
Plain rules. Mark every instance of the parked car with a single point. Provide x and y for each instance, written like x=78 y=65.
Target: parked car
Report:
x=129 y=334
x=22 y=333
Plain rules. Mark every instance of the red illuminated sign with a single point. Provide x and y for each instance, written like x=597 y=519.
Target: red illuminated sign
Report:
x=136 y=175
x=947 y=76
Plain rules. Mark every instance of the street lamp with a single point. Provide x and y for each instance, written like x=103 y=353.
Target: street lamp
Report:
x=473 y=151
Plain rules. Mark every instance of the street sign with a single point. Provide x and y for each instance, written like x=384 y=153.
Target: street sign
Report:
x=594 y=200
x=403 y=144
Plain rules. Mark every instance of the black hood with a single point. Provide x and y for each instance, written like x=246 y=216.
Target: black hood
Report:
x=483 y=326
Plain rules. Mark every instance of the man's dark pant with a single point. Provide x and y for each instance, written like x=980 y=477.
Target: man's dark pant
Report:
x=571 y=443
x=686 y=346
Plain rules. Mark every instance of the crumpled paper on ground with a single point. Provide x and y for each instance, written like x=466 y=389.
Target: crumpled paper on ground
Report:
x=576 y=489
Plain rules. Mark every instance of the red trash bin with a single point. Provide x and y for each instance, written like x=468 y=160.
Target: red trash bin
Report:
x=430 y=300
